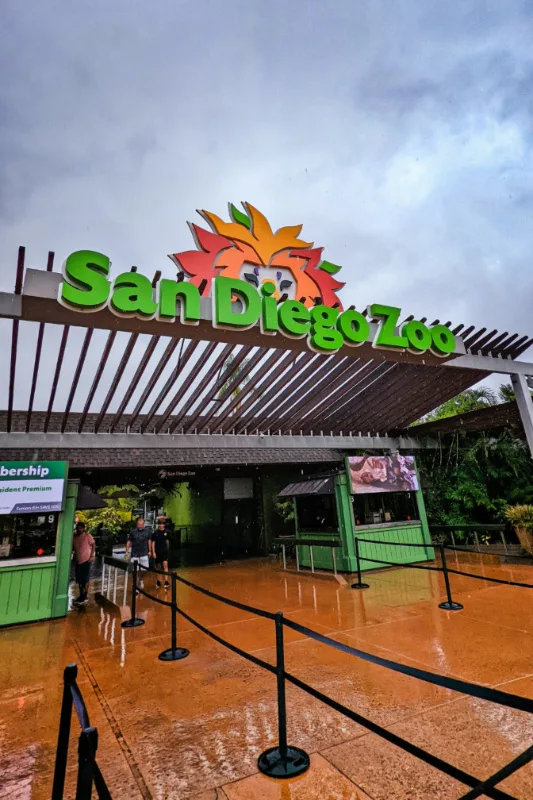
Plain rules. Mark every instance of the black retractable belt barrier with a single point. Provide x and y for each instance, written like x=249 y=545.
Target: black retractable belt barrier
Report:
x=87 y=746
x=88 y=770
x=359 y=584
x=449 y=604
x=283 y=761
x=174 y=653
x=69 y=676
x=134 y=621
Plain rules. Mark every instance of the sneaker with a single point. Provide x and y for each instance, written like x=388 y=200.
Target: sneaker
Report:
x=158 y=584
x=167 y=585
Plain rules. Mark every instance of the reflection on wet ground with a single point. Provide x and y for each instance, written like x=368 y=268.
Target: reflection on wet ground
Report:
x=194 y=728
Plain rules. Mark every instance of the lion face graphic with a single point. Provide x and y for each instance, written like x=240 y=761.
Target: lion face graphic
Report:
x=248 y=249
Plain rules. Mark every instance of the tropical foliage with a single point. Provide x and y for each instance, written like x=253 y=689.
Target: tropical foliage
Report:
x=471 y=400
x=119 y=504
x=520 y=516
x=473 y=477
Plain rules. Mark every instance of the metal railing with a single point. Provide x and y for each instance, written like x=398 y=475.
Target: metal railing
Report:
x=472 y=531
x=284 y=760
x=110 y=584
x=88 y=770
x=291 y=541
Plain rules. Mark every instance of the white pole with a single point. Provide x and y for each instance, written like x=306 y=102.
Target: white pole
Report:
x=525 y=406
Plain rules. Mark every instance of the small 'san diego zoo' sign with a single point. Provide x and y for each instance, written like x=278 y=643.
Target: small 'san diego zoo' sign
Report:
x=254 y=276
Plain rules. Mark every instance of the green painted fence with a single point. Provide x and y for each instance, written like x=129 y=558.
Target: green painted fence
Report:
x=26 y=593
x=403 y=534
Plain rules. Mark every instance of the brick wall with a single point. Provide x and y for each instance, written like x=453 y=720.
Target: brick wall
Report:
x=105 y=458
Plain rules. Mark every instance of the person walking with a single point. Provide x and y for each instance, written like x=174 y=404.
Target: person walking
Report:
x=139 y=541
x=84 y=550
x=159 y=549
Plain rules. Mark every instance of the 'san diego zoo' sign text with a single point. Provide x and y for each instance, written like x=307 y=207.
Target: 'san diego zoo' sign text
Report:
x=253 y=275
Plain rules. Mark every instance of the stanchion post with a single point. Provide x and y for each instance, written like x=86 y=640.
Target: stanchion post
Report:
x=174 y=653
x=134 y=621
x=69 y=676
x=449 y=604
x=359 y=584
x=87 y=746
x=283 y=761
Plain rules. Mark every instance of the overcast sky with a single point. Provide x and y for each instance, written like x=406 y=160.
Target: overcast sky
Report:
x=399 y=132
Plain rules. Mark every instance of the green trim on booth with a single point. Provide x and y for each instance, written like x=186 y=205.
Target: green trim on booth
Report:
x=64 y=552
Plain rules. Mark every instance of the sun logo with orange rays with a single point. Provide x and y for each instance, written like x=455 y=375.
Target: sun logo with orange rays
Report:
x=248 y=249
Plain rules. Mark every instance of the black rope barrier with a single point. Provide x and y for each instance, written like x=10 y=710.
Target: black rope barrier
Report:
x=285 y=761
x=242 y=606
x=455 y=684
x=79 y=705
x=88 y=770
x=398 y=544
x=409 y=564
x=483 y=788
x=166 y=603
x=229 y=645
x=404 y=744
x=449 y=604
x=491 y=580
x=153 y=569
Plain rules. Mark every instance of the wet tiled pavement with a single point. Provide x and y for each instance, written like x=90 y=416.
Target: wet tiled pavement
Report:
x=194 y=728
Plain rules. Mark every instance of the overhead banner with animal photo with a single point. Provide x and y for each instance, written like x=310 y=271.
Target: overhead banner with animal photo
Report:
x=373 y=474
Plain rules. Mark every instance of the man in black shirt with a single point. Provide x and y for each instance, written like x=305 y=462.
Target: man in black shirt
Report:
x=139 y=541
x=159 y=549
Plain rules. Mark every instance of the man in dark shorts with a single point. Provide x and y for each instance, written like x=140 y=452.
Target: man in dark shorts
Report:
x=160 y=548
x=84 y=548
x=139 y=541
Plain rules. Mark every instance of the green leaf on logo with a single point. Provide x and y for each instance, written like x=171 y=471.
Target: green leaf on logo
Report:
x=327 y=266
x=240 y=217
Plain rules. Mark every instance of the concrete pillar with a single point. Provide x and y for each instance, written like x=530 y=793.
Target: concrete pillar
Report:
x=525 y=406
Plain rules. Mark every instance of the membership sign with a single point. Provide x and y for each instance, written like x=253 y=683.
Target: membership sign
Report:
x=32 y=487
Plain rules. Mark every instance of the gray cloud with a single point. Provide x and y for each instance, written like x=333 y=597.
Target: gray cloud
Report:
x=398 y=132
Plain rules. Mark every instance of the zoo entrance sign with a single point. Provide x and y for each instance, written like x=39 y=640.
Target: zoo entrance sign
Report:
x=253 y=275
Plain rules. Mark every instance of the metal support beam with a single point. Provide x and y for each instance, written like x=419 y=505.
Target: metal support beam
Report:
x=207 y=441
x=503 y=366
x=525 y=406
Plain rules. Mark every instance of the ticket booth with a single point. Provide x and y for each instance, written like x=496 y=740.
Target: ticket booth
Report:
x=37 y=506
x=377 y=499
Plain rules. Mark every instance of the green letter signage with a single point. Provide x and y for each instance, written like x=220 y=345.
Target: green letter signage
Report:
x=133 y=296
x=386 y=336
x=223 y=314
x=293 y=319
x=85 y=285
x=354 y=327
x=324 y=334
x=187 y=294
x=240 y=304
x=443 y=340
